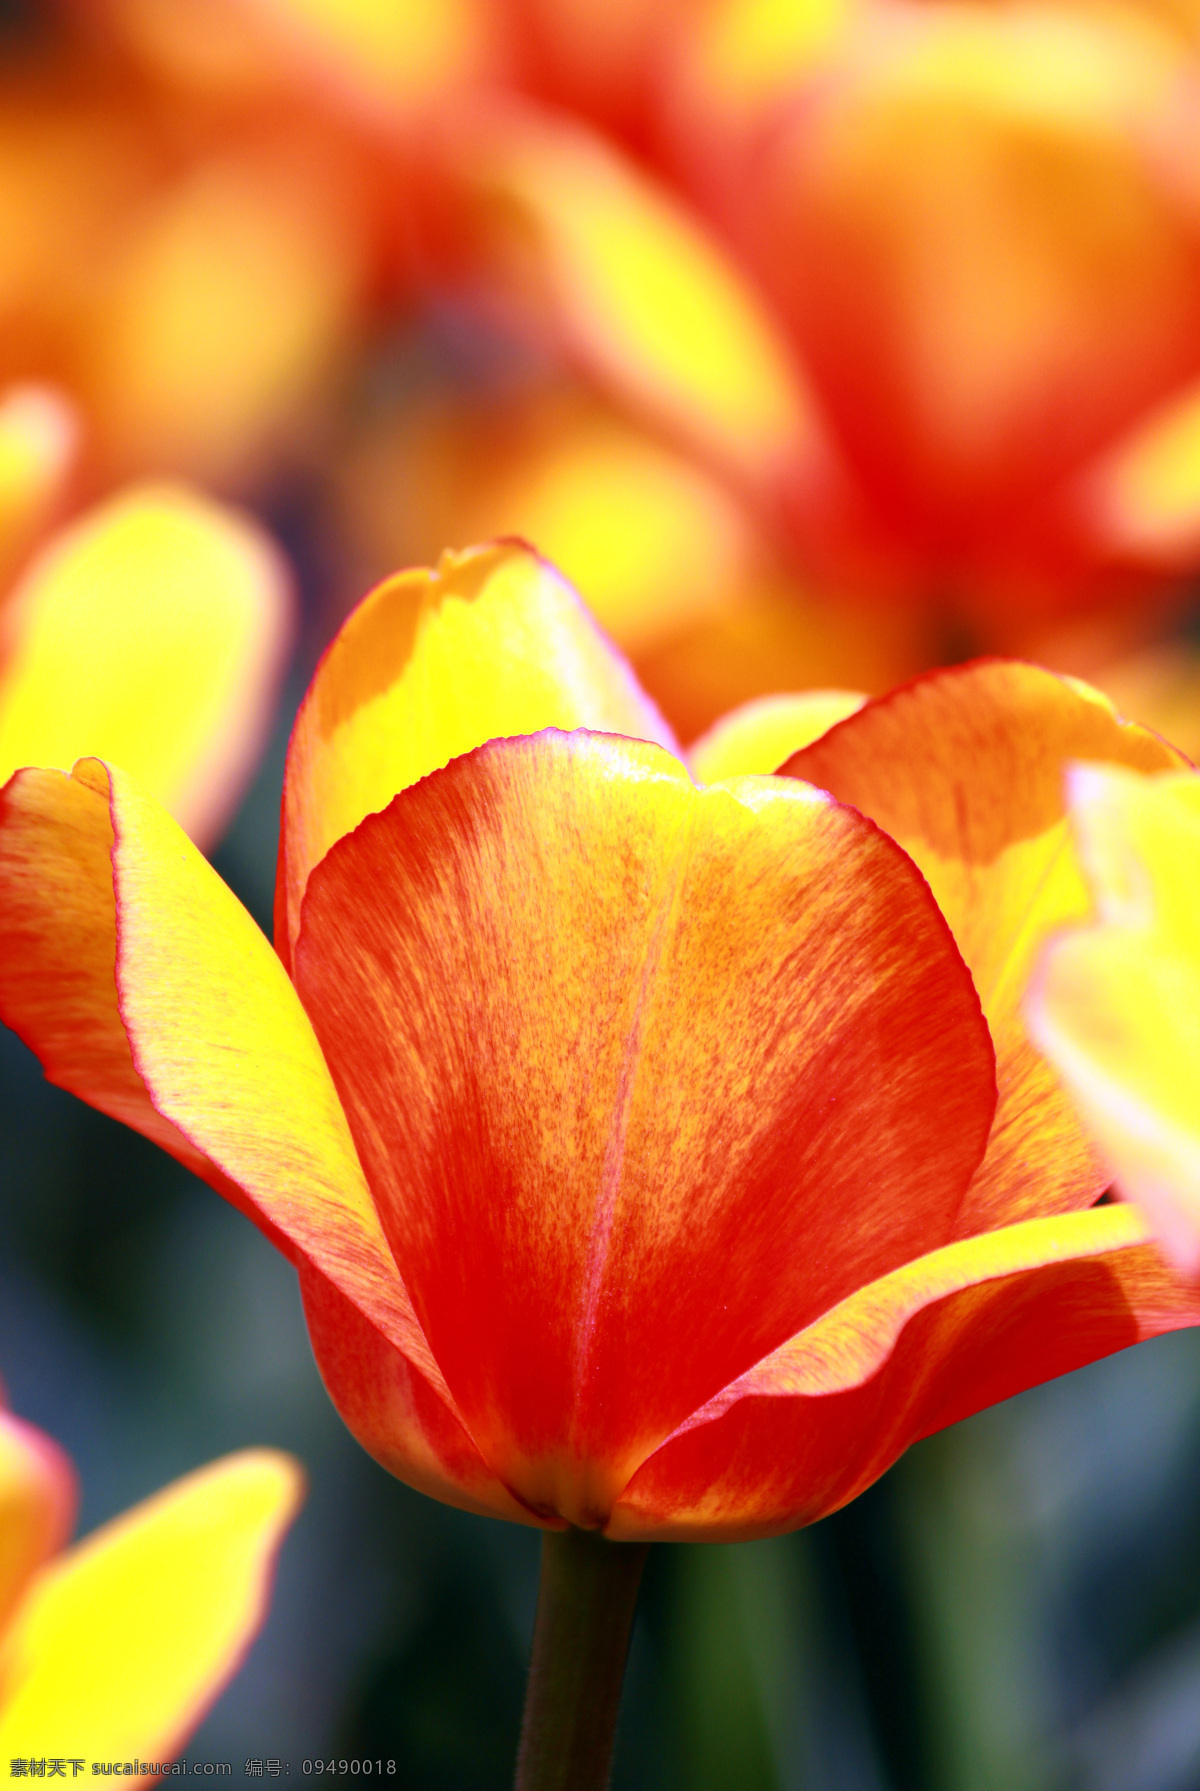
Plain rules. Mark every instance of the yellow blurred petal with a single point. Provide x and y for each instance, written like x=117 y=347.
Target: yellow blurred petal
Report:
x=151 y=631
x=225 y=313
x=756 y=739
x=39 y=432
x=397 y=51
x=746 y=53
x=1140 y=843
x=1144 y=499
x=122 y=1645
x=638 y=292
x=228 y=1055
x=37 y=1506
x=432 y=665
x=1116 y=1006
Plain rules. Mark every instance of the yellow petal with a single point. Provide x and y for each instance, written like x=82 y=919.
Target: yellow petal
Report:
x=228 y=1055
x=758 y=737
x=37 y=1506
x=431 y=665
x=121 y=1646
x=38 y=436
x=1144 y=497
x=1116 y=1006
x=396 y=51
x=743 y=54
x=593 y=251
x=151 y=631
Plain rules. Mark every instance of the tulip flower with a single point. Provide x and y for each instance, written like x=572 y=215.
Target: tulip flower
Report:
x=1114 y=1004
x=155 y=625
x=114 y=1649
x=658 y=1159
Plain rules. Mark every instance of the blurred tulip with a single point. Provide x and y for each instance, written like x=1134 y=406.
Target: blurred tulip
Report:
x=195 y=261
x=155 y=625
x=177 y=1588
x=644 y=1152
x=924 y=279
x=1116 y=1005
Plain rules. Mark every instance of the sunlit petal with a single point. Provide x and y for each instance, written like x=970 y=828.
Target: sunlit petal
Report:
x=123 y=1643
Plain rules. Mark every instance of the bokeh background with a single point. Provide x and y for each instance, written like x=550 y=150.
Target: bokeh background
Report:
x=820 y=343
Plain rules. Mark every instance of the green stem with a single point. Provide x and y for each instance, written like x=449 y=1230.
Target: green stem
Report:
x=585 y=1612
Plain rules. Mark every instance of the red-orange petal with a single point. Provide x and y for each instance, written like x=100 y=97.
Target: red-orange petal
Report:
x=964 y=769
x=643 y=1077
x=393 y=1410
x=930 y=1344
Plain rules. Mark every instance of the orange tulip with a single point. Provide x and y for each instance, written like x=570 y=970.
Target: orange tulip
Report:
x=177 y=1588
x=652 y=1156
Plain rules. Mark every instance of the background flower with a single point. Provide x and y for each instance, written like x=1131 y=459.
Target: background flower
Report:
x=177 y=1588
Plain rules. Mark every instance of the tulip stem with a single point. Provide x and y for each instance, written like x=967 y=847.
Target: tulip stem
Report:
x=586 y=1602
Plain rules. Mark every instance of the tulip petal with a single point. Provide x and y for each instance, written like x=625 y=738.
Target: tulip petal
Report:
x=39 y=433
x=1142 y=500
x=758 y=737
x=58 y=987
x=964 y=769
x=122 y=1645
x=430 y=665
x=227 y=1054
x=1116 y=1006
x=590 y=251
x=38 y=1496
x=959 y=1329
x=151 y=631
x=394 y=1412
x=146 y=989
x=640 y=1074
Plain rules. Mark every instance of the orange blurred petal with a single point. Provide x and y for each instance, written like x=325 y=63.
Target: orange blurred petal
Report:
x=964 y=769
x=646 y=536
x=643 y=1077
x=984 y=235
x=229 y=307
x=38 y=1497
